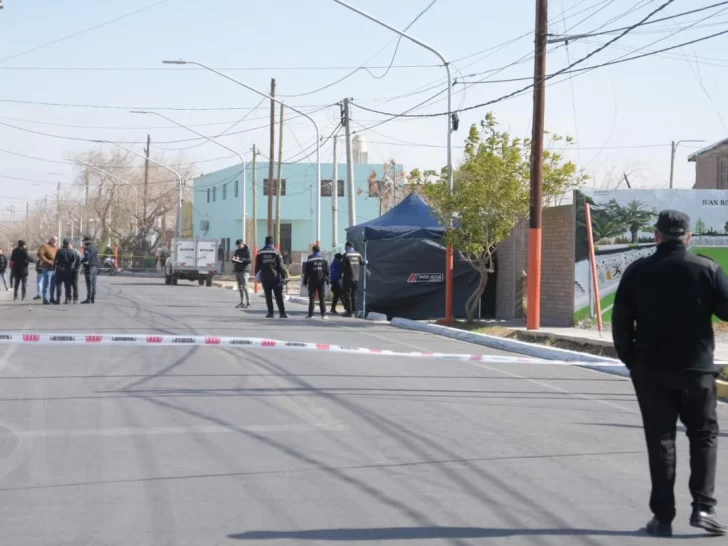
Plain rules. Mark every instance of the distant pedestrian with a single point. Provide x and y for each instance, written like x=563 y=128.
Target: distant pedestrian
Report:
x=316 y=277
x=3 y=268
x=663 y=332
x=220 y=259
x=19 y=262
x=351 y=266
x=242 y=260
x=269 y=265
x=90 y=261
x=335 y=279
x=47 y=255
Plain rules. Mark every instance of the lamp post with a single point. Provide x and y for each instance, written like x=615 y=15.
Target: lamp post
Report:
x=673 y=149
x=178 y=230
x=210 y=139
x=315 y=125
x=449 y=257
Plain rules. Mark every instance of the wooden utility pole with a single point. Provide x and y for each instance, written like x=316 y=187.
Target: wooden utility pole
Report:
x=335 y=199
x=350 y=181
x=146 y=183
x=278 y=181
x=272 y=154
x=255 y=215
x=539 y=107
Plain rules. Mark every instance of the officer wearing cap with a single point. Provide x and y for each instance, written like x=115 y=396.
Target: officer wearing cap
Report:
x=66 y=264
x=663 y=332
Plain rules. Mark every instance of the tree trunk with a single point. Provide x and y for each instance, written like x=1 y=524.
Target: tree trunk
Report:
x=471 y=306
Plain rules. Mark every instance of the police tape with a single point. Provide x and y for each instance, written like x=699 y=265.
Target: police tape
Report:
x=33 y=339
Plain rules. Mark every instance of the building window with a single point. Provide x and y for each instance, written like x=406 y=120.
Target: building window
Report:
x=214 y=194
x=722 y=182
x=208 y=195
x=224 y=192
x=236 y=188
x=266 y=187
x=326 y=188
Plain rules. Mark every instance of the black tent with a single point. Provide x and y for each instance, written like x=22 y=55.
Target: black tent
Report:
x=405 y=272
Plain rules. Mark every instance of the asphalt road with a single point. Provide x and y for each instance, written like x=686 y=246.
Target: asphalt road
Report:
x=173 y=446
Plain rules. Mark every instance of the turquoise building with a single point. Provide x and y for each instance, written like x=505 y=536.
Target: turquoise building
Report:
x=218 y=203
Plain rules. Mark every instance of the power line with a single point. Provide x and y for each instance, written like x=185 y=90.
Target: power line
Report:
x=227 y=69
x=107 y=107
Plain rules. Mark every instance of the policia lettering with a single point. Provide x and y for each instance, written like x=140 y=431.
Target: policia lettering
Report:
x=316 y=277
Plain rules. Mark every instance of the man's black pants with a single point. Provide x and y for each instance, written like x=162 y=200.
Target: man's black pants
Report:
x=271 y=288
x=350 y=288
x=336 y=295
x=691 y=397
x=90 y=274
x=19 y=280
x=64 y=277
x=74 y=286
x=313 y=290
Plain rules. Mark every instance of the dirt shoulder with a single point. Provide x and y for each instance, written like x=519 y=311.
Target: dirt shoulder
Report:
x=593 y=347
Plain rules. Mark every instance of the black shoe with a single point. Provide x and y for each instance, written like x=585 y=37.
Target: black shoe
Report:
x=334 y=312
x=240 y=306
x=55 y=302
x=309 y=316
x=283 y=315
x=46 y=302
x=15 y=298
x=348 y=315
x=706 y=519
x=37 y=298
x=656 y=528
x=270 y=315
x=85 y=301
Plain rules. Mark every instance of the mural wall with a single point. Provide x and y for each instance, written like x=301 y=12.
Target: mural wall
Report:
x=623 y=229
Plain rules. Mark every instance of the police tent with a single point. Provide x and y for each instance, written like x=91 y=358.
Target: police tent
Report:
x=404 y=273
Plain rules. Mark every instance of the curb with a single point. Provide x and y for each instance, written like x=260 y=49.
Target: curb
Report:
x=222 y=285
x=514 y=346
x=722 y=389
x=377 y=317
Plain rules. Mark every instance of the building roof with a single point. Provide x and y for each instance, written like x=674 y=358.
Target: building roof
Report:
x=715 y=146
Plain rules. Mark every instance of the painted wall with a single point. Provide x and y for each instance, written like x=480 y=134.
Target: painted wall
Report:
x=298 y=205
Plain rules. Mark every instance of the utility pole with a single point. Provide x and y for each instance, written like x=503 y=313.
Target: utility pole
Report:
x=272 y=154
x=335 y=200
x=535 y=216
x=146 y=183
x=255 y=214
x=350 y=181
x=58 y=211
x=27 y=222
x=278 y=182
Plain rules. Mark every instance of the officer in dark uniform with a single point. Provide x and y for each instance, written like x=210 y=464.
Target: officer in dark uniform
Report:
x=316 y=277
x=91 y=264
x=269 y=264
x=350 y=266
x=66 y=265
x=663 y=332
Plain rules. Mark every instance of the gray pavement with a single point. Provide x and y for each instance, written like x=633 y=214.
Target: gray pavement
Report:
x=157 y=446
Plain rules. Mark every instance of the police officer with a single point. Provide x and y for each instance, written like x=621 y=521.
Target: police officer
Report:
x=350 y=266
x=316 y=277
x=90 y=263
x=66 y=265
x=335 y=280
x=662 y=330
x=269 y=264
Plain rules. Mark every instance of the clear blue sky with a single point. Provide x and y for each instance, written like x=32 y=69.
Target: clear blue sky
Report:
x=612 y=110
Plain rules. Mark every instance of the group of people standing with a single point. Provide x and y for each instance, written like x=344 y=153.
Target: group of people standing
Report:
x=57 y=271
x=342 y=275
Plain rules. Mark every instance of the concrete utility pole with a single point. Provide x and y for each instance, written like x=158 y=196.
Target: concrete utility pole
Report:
x=335 y=200
x=673 y=150
x=146 y=184
x=350 y=181
x=535 y=216
x=27 y=222
x=278 y=182
x=255 y=199
x=58 y=210
x=272 y=154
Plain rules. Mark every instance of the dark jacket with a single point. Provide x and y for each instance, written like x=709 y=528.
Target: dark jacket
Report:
x=269 y=264
x=66 y=260
x=335 y=270
x=350 y=265
x=20 y=260
x=663 y=310
x=90 y=257
x=3 y=262
x=316 y=271
x=242 y=260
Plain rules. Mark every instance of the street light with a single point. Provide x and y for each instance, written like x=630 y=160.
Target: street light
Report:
x=178 y=232
x=449 y=257
x=58 y=205
x=673 y=149
x=309 y=118
x=210 y=139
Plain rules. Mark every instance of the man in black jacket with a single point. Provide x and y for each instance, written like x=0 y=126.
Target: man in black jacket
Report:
x=90 y=261
x=663 y=332
x=269 y=264
x=350 y=268
x=19 y=261
x=4 y=268
x=316 y=277
x=242 y=260
x=66 y=265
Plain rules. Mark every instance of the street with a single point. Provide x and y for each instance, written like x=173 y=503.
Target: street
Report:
x=178 y=446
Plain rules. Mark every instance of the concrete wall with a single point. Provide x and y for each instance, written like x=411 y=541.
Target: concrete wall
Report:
x=557 y=269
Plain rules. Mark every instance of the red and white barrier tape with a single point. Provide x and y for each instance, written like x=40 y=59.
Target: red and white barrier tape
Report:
x=259 y=343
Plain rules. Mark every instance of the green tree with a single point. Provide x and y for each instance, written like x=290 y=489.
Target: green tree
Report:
x=634 y=217
x=725 y=227
x=604 y=227
x=492 y=195
x=700 y=228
